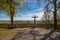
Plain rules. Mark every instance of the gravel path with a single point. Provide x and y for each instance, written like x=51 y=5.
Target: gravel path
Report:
x=34 y=34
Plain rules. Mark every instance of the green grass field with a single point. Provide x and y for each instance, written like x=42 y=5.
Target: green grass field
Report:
x=27 y=24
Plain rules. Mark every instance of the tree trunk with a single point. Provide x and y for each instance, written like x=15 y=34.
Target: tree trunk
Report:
x=55 y=14
x=12 y=22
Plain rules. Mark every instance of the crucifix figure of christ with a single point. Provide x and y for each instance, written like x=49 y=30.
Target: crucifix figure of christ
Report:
x=34 y=20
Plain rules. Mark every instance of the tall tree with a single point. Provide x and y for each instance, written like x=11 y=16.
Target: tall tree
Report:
x=55 y=13
x=54 y=2
x=10 y=6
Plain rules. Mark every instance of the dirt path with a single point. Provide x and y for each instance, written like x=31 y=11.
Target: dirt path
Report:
x=34 y=34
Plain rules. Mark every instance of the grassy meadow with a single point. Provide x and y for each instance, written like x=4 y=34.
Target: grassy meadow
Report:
x=6 y=24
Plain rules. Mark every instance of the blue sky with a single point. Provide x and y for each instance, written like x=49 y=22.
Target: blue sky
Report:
x=26 y=13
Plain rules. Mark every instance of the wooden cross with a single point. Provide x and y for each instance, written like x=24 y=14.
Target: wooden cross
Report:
x=34 y=20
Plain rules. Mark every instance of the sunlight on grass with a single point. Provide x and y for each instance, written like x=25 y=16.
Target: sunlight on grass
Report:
x=6 y=32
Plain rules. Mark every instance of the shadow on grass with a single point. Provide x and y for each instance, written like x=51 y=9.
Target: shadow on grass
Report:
x=19 y=34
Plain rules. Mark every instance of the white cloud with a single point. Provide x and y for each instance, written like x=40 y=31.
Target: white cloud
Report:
x=25 y=17
x=5 y=19
x=29 y=16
